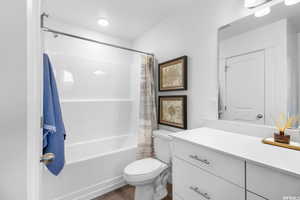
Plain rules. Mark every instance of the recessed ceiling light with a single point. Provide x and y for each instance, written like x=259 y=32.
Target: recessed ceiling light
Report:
x=103 y=22
x=291 y=2
x=262 y=12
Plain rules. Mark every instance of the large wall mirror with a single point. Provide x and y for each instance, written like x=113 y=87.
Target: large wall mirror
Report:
x=259 y=61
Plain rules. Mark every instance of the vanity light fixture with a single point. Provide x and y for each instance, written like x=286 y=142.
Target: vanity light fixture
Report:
x=103 y=22
x=291 y=2
x=262 y=12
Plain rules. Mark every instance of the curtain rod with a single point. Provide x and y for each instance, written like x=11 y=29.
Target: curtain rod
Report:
x=46 y=29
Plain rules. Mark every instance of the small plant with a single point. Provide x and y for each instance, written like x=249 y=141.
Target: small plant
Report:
x=284 y=123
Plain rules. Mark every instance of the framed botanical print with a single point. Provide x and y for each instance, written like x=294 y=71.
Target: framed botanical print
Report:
x=173 y=75
x=173 y=111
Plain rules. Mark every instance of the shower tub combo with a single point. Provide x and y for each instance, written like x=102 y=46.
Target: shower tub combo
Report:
x=92 y=168
x=99 y=92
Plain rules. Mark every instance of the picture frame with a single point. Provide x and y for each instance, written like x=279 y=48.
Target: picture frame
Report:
x=173 y=111
x=172 y=75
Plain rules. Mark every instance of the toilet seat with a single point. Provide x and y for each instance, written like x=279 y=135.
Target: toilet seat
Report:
x=144 y=170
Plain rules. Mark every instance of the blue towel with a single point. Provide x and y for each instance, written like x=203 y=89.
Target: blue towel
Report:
x=53 y=127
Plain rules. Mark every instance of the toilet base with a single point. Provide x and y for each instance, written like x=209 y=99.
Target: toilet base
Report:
x=144 y=192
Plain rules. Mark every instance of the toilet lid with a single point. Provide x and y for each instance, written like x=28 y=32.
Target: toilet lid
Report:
x=144 y=169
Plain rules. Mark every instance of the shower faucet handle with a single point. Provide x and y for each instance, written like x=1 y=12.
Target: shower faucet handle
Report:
x=47 y=158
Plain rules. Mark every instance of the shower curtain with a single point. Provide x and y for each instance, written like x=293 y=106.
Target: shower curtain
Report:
x=147 y=115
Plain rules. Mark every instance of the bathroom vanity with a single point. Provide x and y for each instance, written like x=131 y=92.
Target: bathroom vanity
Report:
x=212 y=164
x=228 y=161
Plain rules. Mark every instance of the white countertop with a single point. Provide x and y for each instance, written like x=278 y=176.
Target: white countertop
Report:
x=245 y=147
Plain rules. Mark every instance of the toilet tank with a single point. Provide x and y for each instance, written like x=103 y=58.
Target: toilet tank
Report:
x=162 y=145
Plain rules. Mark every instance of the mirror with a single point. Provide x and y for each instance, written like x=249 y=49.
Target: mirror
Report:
x=259 y=60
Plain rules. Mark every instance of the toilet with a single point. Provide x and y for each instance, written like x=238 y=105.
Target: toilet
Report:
x=150 y=175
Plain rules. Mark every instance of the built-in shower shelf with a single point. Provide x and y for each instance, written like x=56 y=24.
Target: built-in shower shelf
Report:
x=94 y=100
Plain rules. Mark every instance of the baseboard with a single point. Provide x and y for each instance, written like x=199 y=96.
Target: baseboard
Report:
x=96 y=190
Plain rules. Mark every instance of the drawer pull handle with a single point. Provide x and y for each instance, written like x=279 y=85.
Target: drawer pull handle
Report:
x=196 y=189
x=195 y=157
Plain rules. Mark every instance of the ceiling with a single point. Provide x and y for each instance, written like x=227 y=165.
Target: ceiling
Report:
x=128 y=18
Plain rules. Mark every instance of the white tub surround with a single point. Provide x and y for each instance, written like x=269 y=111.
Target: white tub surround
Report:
x=92 y=169
x=98 y=86
x=240 y=166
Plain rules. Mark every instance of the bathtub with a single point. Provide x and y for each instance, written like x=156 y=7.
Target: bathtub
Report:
x=92 y=168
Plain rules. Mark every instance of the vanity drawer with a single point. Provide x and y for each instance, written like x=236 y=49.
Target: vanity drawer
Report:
x=271 y=183
x=222 y=165
x=193 y=183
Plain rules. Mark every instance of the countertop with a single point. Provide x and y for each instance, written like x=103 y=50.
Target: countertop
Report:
x=244 y=147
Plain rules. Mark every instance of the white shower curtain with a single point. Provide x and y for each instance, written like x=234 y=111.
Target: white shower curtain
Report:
x=147 y=115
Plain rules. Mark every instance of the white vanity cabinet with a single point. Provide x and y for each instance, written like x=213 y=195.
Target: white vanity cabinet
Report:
x=212 y=161
x=270 y=183
x=200 y=174
x=210 y=164
x=194 y=183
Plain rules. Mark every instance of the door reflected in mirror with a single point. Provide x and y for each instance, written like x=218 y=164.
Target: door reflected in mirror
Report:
x=259 y=62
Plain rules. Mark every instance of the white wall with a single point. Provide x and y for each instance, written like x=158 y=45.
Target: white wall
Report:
x=194 y=32
x=95 y=83
x=13 y=104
